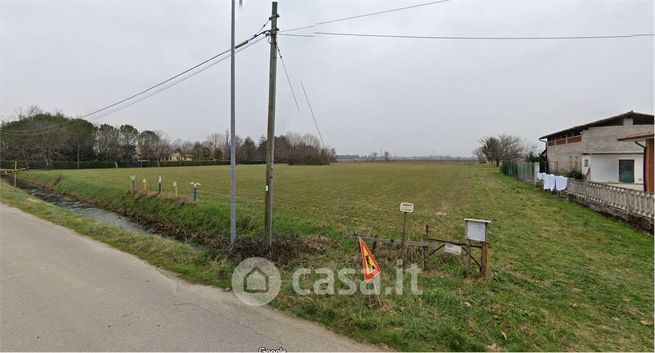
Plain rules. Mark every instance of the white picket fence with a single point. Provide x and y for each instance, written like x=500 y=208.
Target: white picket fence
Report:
x=637 y=202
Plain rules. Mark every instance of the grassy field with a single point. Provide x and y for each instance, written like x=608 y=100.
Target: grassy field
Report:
x=562 y=276
x=307 y=199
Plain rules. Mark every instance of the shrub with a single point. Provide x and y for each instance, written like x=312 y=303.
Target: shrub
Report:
x=575 y=174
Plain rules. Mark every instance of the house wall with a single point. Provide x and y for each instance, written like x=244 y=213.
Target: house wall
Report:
x=605 y=168
x=605 y=138
x=565 y=157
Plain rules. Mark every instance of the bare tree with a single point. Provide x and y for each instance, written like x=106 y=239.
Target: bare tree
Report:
x=511 y=147
x=129 y=137
x=491 y=149
x=387 y=156
x=107 y=142
x=506 y=148
x=148 y=141
x=163 y=147
x=216 y=142
x=479 y=154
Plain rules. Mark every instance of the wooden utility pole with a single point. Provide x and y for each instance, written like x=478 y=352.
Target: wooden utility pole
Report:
x=270 y=136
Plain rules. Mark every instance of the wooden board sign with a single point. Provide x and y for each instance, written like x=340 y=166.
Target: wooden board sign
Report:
x=452 y=249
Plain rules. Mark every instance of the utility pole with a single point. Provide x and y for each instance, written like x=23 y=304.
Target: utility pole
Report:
x=233 y=144
x=270 y=136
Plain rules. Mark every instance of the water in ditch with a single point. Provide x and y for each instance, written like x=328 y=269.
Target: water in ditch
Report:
x=82 y=208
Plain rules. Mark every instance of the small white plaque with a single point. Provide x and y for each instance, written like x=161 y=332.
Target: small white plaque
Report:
x=406 y=207
x=452 y=249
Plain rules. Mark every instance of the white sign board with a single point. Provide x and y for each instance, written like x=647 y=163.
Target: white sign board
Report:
x=476 y=229
x=406 y=207
x=452 y=249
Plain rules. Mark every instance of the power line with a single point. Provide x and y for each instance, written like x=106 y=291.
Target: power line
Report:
x=32 y=132
x=155 y=89
x=379 y=12
x=611 y=36
x=286 y=73
x=313 y=116
x=173 y=77
x=364 y=15
x=295 y=35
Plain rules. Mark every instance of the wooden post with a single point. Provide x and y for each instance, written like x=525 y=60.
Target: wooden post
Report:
x=424 y=248
x=468 y=257
x=483 y=261
x=15 y=171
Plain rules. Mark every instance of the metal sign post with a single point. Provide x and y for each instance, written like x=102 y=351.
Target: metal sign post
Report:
x=195 y=191
x=405 y=208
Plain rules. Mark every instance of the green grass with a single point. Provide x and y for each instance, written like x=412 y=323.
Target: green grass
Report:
x=562 y=277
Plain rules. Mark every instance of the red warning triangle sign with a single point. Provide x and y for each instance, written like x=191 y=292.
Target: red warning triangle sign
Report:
x=371 y=267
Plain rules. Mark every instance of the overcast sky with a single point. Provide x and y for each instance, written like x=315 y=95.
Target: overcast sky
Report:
x=407 y=96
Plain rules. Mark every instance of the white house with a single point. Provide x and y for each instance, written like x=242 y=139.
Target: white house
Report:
x=594 y=149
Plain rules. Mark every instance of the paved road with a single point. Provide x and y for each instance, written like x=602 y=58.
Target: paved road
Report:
x=63 y=291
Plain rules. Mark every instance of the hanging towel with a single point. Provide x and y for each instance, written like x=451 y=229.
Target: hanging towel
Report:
x=561 y=182
x=544 y=177
x=549 y=182
x=540 y=176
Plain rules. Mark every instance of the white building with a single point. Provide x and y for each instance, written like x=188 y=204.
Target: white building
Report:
x=594 y=149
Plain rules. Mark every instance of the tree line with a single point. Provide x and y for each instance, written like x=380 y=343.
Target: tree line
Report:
x=37 y=136
x=506 y=148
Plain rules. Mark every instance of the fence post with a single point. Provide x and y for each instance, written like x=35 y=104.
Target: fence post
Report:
x=535 y=171
x=468 y=257
x=15 y=171
x=424 y=248
x=483 y=260
x=133 y=183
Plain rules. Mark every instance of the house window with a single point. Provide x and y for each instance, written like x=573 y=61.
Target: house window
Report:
x=586 y=163
x=626 y=170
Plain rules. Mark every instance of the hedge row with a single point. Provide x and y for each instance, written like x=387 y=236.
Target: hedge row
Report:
x=111 y=164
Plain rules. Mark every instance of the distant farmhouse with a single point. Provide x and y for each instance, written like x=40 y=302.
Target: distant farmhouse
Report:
x=606 y=150
x=178 y=155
